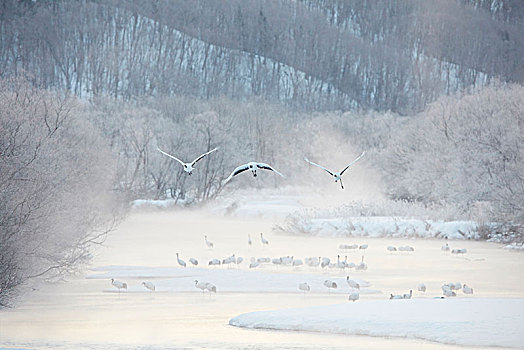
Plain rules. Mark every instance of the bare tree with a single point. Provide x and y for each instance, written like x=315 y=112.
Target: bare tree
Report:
x=54 y=186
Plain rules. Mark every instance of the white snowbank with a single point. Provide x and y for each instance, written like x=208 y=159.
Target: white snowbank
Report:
x=176 y=279
x=465 y=321
x=515 y=246
x=159 y=203
x=380 y=226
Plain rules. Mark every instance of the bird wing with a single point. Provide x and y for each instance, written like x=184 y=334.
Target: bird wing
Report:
x=167 y=154
x=237 y=171
x=202 y=156
x=347 y=166
x=268 y=167
x=320 y=166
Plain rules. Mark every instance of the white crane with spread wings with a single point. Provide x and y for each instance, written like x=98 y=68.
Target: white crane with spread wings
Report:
x=336 y=176
x=253 y=166
x=188 y=167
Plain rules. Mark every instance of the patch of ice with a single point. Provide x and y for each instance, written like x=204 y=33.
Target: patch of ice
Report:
x=177 y=279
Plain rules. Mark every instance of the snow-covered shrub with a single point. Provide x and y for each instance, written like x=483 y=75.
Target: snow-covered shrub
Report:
x=382 y=219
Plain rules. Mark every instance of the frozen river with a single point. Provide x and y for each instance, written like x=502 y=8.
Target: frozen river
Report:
x=86 y=313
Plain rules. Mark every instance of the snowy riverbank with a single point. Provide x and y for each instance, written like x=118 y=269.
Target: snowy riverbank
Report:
x=466 y=321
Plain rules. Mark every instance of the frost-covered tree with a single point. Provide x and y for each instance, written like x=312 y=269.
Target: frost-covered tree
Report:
x=308 y=54
x=187 y=127
x=56 y=176
x=467 y=150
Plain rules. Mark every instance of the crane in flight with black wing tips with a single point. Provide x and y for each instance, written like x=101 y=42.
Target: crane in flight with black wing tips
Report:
x=253 y=166
x=336 y=176
x=188 y=167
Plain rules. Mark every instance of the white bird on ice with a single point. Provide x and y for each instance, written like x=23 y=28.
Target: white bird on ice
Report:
x=229 y=260
x=445 y=287
x=297 y=262
x=467 y=289
x=208 y=243
x=286 y=260
x=395 y=296
x=330 y=284
x=336 y=176
x=352 y=283
x=354 y=296
x=211 y=287
x=263 y=240
x=421 y=287
x=276 y=261
x=253 y=166
x=445 y=248
x=340 y=264
x=180 y=261
x=188 y=167
x=118 y=284
x=149 y=286
x=362 y=265
x=254 y=263
x=249 y=240
x=214 y=262
x=203 y=286
x=406 y=248
x=392 y=249
x=304 y=287
x=193 y=261
x=449 y=293
x=313 y=262
x=408 y=296
x=363 y=246
x=347 y=246
x=455 y=286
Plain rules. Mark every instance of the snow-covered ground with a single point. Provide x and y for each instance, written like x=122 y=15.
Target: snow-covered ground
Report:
x=89 y=313
x=472 y=322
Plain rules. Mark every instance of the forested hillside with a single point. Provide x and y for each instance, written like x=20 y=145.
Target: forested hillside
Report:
x=314 y=54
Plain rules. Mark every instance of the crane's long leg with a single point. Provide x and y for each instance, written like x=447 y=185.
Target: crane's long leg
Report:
x=341 y=184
